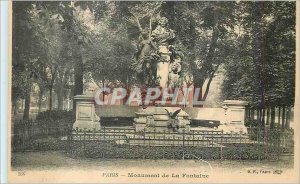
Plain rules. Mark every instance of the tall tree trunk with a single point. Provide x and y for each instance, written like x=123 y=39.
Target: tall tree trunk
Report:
x=51 y=92
x=15 y=107
x=288 y=117
x=27 y=104
x=283 y=117
x=78 y=71
x=60 y=101
x=60 y=88
x=198 y=85
x=252 y=113
x=260 y=115
x=60 y=98
x=268 y=115
x=272 y=125
x=208 y=85
x=103 y=93
x=40 y=100
x=50 y=98
x=247 y=113
x=279 y=115
x=263 y=116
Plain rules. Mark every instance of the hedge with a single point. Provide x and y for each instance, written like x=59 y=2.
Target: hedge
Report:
x=110 y=150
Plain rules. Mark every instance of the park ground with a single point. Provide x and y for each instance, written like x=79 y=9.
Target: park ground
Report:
x=54 y=160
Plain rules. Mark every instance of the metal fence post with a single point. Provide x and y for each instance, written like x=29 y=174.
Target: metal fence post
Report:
x=249 y=132
x=164 y=137
x=144 y=135
x=240 y=137
x=212 y=139
x=71 y=142
x=84 y=141
x=258 y=141
x=104 y=133
x=266 y=142
x=240 y=150
x=193 y=139
x=173 y=140
x=183 y=138
x=68 y=143
x=222 y=144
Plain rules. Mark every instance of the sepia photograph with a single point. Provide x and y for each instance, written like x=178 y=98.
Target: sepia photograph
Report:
x=153 y=92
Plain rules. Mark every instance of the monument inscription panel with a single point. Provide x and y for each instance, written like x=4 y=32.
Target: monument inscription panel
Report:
x=85 y=112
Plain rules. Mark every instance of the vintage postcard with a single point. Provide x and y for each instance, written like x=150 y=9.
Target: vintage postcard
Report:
x=153 y=92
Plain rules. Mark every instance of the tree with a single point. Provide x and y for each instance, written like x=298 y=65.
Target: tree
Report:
x=24 y=42
x=265 y=74
x=50 y=61
x=108 y=56
x=205 y=31
x=66 y=14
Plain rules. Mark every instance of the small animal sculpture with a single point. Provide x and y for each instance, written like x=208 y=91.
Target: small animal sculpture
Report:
x=173 y=121
x=173 y=115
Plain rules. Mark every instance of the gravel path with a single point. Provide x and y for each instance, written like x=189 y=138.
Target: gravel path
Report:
x=53 y=160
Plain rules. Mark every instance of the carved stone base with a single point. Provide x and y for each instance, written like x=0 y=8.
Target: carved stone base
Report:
x=234 y=119
x=87 y=125
x=86 y=117
x=158 y=119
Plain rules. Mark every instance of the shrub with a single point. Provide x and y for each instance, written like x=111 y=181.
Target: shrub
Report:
x=110 y=150
x=251 y=123
x=55 y=122
x=49 y=123
x=55 y=116
x=24 y=123
x=44 y=144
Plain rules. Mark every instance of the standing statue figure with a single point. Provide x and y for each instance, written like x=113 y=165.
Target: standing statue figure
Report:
x=145 y=60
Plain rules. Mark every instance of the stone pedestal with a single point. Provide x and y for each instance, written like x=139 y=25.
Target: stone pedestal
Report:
x=86 y=118
x=163 y=67
x=234 y=117
x=157 y=119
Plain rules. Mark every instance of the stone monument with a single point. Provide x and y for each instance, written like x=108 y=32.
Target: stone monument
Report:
x=86 y=117
x=159 y=64
x=168 y=70
x=234 y=117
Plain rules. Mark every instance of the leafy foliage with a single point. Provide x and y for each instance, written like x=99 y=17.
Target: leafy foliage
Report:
x=59 y=45
x=55 y=118
x=263 y=71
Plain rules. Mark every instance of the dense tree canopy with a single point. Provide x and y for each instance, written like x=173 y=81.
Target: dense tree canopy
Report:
x=263 y=71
